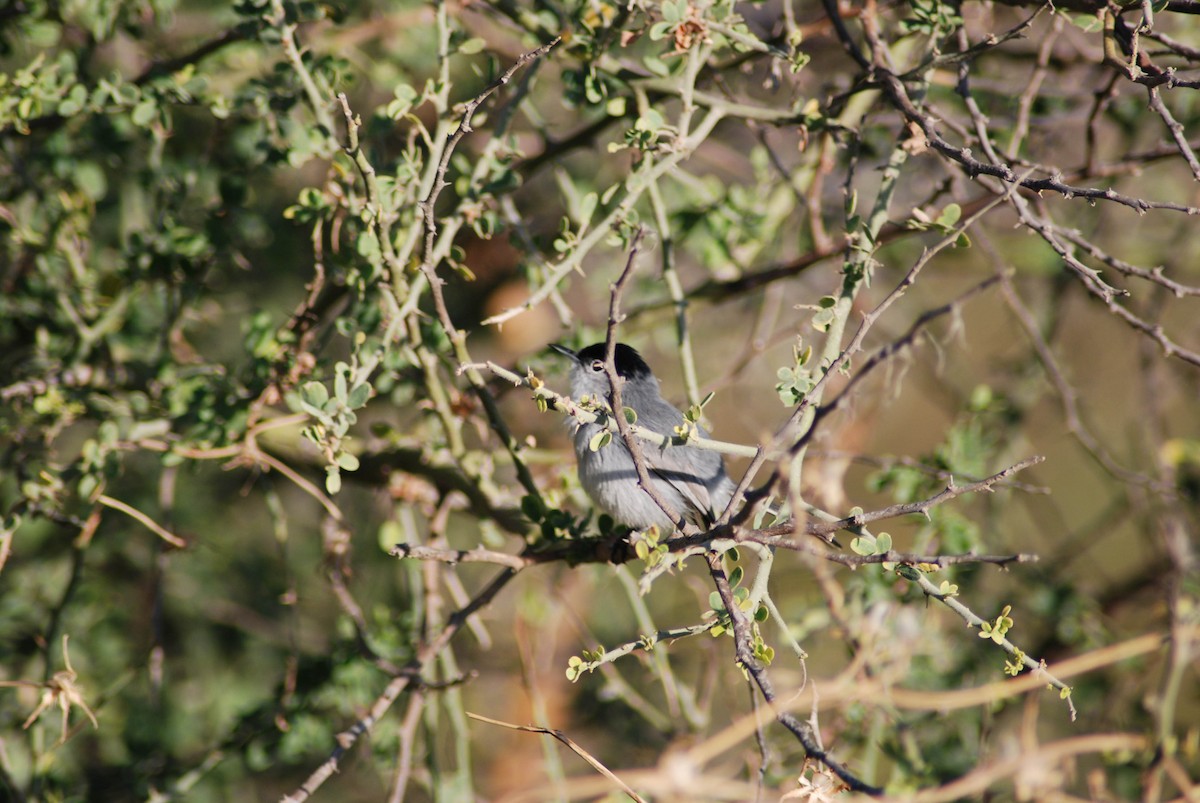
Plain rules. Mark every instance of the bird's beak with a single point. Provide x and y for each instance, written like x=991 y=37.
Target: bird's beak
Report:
x=566 y=352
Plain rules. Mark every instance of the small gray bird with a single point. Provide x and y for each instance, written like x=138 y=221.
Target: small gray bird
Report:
x=692 y=481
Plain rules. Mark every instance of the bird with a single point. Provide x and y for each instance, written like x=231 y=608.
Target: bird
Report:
x=692 y=481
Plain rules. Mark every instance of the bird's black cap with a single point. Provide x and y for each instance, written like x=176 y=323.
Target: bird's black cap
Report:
x=629 y=363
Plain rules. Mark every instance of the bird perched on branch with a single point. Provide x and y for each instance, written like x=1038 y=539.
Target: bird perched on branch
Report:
x=691 y=481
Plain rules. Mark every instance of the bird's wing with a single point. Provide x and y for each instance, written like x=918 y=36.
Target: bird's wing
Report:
x=699 y=510
x=691 y=472
x=695 y=474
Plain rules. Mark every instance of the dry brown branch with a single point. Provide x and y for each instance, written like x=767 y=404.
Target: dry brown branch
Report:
x=615 y=381
x=803 y=731
x=1027 y=769
x=569 y=742
x=456 y=556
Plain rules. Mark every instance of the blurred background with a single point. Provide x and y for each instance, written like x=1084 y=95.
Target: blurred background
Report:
x=229 y=391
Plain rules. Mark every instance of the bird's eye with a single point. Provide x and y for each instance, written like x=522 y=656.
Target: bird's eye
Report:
x=597 y=365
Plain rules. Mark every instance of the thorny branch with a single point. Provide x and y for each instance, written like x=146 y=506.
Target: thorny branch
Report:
x=615 y=381
x=743 y=640
x=741 y=630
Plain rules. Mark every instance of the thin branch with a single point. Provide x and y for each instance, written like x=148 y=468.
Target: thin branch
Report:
x=615 y=381
x=810 y=403
x=1066 y=392
x=1090 y=278
x=569 y=742
x=409 y=674
x=976 y=783
x=457 y=556
x=922 y=507
x=645 y=643
x=782 y=541
x=848 y=44
x=742 y=638
x=1153 y=275
x=291 y=51
x=246 y=30
x=300 y=482
x=408 y=735
x=896 y=92
x=1177 y=131
x=147 y=522
x=877 y=358
x=567 y=405
x=464 y=127
x=973 y=620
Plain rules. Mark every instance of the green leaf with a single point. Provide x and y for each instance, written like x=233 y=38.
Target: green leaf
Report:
x=587 y=207
x=144 y=113
x=347 y=461
x=333 y=479
x=950 y=215
x=883 y=544
x=822 y=319
x=532 y=507
x=358 y=396
x=575 y=668
x=650 y=120
x=472 y=46
x=735 y=576
x=863 y=545
x=314 y=393
x=599 y=440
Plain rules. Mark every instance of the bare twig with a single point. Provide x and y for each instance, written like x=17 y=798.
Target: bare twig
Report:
x=569 y=742
x=428 y=203
x=922 y=507
x=1177 y=131
x=896 y=92
x=1089 y=277
x=147 y=522
x=404 y=758
x=456 y=556
x=978 y=781
x=742 y=639
x=1066 y=392
x=772 y=538
x=615 y=382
